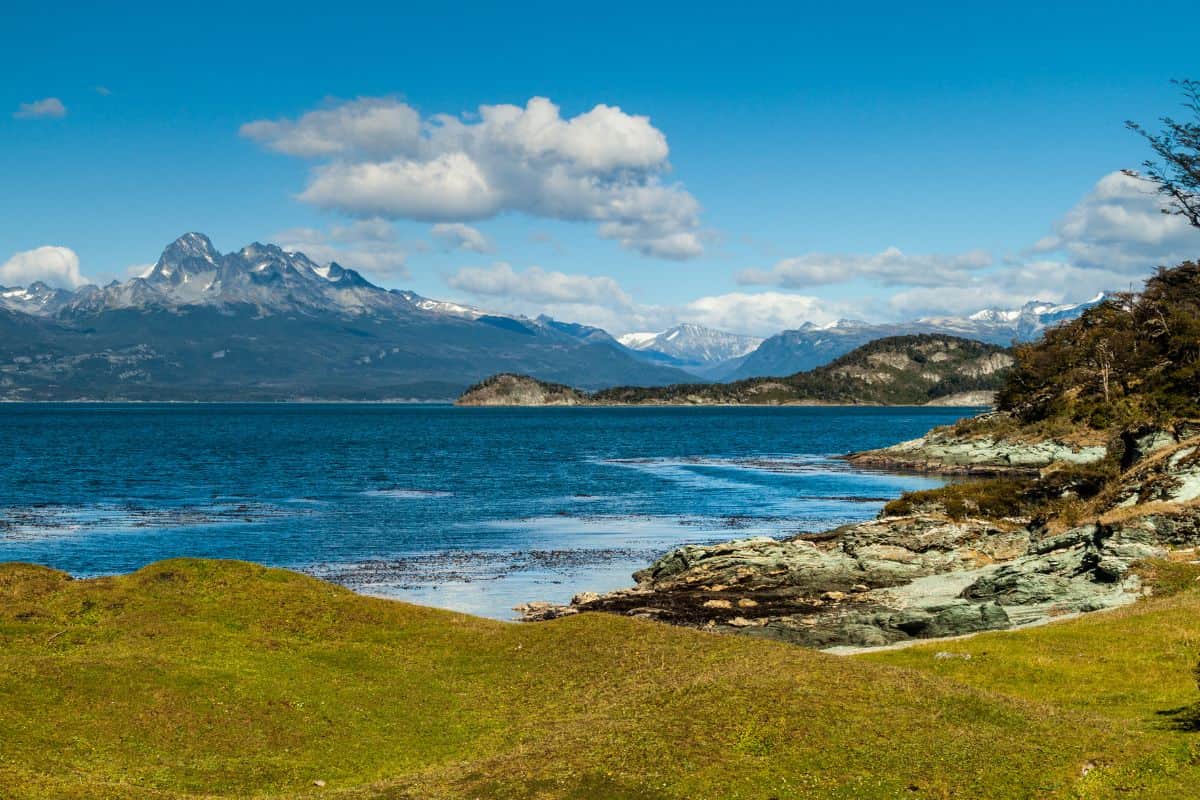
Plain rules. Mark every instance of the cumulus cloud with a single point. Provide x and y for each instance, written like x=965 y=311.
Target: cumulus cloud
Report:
x=369 y=126
x=601 y=301
x=368 y=245
x=892 y=267
x=1119 y=225
x=56 y=266
x=379 y=157
x=1111 y=240
x=760 y=313
x=457 y=236
x=1044 y=280
x=139 y=270
x=537 y=285
x=46 y=108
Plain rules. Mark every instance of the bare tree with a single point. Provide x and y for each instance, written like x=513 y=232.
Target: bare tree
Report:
x=1104 y=362
x=1176 y=173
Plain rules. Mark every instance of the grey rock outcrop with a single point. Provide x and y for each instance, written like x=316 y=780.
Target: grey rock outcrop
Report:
x=895 y=579
x=928 y=573
x=942 y=451
x=1168 y=473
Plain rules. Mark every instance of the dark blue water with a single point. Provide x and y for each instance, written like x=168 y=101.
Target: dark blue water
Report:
x=471 y=509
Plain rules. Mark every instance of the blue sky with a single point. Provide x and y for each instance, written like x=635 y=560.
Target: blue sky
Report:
x=773 y=164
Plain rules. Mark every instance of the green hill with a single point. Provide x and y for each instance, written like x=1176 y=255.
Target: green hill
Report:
x=192 y=679
x=897 y=370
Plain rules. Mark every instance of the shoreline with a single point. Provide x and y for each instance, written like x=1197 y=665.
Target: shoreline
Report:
x=454 y=404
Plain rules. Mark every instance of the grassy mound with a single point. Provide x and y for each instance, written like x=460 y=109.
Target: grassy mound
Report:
x=224 y=679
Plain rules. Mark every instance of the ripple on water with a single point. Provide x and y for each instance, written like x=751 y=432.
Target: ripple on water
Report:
x=407 y=494
x=31 y=523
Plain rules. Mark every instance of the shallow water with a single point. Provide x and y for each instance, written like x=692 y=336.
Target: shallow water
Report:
x=474 y=509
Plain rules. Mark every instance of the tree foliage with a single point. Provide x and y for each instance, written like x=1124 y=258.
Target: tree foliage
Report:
x=1130 y=359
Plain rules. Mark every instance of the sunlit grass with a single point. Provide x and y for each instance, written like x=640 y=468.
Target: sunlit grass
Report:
x=209 y=678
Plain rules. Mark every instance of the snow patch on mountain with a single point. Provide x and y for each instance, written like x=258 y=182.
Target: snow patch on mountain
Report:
x=693 y=344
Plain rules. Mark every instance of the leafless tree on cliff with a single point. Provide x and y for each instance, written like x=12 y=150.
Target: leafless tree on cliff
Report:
x=1176 y=173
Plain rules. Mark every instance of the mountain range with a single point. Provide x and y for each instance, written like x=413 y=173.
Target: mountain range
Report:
x=811 y=346
x=265 y=324
x=262 y=323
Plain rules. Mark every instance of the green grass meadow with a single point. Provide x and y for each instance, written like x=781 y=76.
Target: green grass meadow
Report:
x=192 y=679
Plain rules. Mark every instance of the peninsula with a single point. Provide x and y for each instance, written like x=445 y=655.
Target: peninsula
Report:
x=921 y=369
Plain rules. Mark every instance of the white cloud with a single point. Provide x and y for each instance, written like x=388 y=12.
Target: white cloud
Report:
x=450 y=186
x=1046 y=280
x=46 y=108
x=760 y=313
x=1119 y=225
x=600 y=300
x=368 y=246
x=537 y=285
x=364 y=230
x=380 y=158
x=103 y=91
x=371 y=126
x=1111 y=240
x=457 y=236
x=890 y=268
x=56 y=266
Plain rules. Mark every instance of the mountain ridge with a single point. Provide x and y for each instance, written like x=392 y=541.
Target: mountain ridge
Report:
x=100 y=342
x=811 y=346
x=261 y=323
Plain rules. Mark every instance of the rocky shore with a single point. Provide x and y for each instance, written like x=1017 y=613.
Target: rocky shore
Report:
x=930 y=573
x=943 y=452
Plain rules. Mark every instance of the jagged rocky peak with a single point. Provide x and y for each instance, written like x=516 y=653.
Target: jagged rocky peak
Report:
x=193 y=255
x=190 y=254
x=342 y=276
x=264 y=253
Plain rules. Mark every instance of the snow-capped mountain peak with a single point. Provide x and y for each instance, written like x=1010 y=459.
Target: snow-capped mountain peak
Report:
x=36 y=298
x=191 y=273
x=693 y=344
x=995 y=315
x=189 y=255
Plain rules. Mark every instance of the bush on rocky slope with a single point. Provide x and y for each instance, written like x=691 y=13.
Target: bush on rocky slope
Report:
x=1128 y=361
x=1060 y=493
x=1123 y=379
